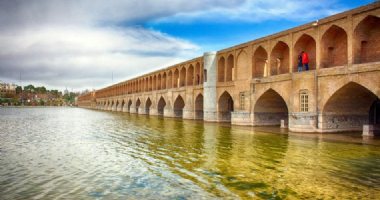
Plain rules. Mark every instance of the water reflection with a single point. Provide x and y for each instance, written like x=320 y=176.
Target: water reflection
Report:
x=83 y=154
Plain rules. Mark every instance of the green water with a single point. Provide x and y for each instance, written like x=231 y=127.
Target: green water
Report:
x=73 y=153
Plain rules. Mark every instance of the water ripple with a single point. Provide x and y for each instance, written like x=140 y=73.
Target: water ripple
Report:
x=71 y=153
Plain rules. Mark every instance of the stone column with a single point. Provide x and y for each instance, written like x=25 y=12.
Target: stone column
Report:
x=209 y=87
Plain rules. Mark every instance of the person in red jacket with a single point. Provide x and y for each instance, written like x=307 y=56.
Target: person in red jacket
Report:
x=305 y=60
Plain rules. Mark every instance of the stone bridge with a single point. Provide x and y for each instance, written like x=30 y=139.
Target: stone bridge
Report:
x=257 y=83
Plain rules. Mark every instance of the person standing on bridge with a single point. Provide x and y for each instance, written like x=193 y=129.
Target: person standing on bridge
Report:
x=300 y=62
x=305 y=60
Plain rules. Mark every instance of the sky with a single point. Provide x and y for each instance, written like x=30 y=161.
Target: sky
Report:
x=91 y=44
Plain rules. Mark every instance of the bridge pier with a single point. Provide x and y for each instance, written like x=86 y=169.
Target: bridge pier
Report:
x=132 y=109
x=188 y=113
x=141 y=110
x=125 y=108
x=168 y=112
x=209 y=87
x=243 y=118
x=303 y=122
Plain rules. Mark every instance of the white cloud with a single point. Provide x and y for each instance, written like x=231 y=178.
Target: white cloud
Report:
x=58 y=55
x=260 y=10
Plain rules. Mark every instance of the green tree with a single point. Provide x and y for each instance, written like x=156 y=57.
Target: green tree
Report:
x=18 y=90
x=29 y=88
x=41 y=90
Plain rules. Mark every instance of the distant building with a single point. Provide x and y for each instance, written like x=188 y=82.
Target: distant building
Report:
x=7 y=89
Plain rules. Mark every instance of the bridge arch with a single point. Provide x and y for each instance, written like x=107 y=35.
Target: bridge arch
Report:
x=198 y=106
x=158 y=82
x=112 y=105
x=259 y=63
x=198 y=74
x=270 y=108
x=170 y=80
x=161 y=106
x=242 y=65
x=138 y=103
x=221 y=69
x=190 y=75
x=150 y=83
x=129 y=105
x=163 y=83
x=349 y=108
x=179 y=104
x=176 y=78
x=182 y=77
x=225 y=107
x=305 y=43
x=148 y=103
x=334 y=47
x=154 y=83
x=122 y=108
x=366 y=40
x=280 y=59
x=230 y=68
x=117 y=105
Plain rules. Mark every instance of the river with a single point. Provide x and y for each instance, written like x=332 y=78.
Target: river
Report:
x=74 y=153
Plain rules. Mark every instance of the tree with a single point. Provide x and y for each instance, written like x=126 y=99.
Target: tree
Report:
x=29 y=88
x=18 y=90
x=41 y=90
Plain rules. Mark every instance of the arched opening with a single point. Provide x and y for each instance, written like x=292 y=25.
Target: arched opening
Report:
x=138 y=103
x=170 y=80
x=112 y=106
x=146 y=85
x=198 y=74
x=116 y=108
x=176 y=79
x=150 y=83
x=179 y=104
x=221 y=67
x=122 y=106
x=270 y=109
x=242 y=65
x=280 y=59
x=161 y=106
x=349 y=108
x=147 y=106
x=199 y=107
x=225 y=107
x=307 y=44
x=334 y=47
x=129 y=105
x=182 y=78
x=366 y=40
x=159 y=82
x=190 y=75
x=164 y=81
x=154 y=85
x=374 y=113
x=259 y=62
x=229 y=68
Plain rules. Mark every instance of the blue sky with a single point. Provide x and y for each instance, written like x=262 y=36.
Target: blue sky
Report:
x=90 y=44
x=215 y=35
